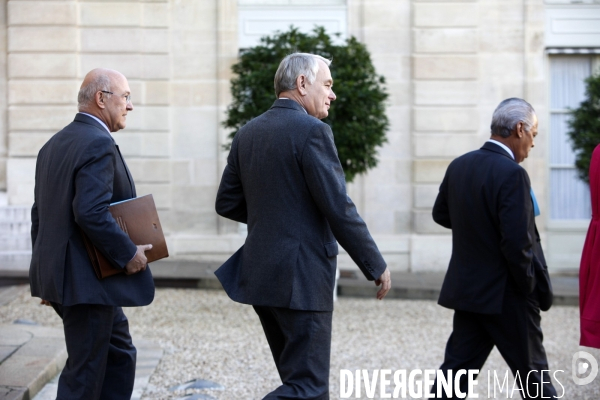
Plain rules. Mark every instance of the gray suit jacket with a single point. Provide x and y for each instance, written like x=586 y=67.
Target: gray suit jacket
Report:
x=79 y=172
x=284 y=179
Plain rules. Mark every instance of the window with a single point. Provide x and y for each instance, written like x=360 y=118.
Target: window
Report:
x=258 y=18
x=569 y=196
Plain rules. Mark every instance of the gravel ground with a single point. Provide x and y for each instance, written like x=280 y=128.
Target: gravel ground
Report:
x=205 y=335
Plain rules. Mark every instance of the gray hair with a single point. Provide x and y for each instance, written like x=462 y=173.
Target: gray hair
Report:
x=509 y=113
x=294 y=65
x=87 y=93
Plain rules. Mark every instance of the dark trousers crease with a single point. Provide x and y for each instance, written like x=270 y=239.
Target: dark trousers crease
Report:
x=517 y=334
x=101 y=356
x=300 y=343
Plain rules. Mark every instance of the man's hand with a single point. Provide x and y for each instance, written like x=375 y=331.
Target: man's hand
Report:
x=386 y=284
x=45 y=303
x=139 y=261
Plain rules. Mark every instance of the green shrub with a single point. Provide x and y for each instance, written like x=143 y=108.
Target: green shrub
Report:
x=584 y=127
x=357 y=117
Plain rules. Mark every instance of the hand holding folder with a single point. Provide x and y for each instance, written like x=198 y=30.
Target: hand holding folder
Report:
x=139 y=262
x=138 y=218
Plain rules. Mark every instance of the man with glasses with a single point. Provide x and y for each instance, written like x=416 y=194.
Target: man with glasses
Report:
x=497 y=280
x=79 y=172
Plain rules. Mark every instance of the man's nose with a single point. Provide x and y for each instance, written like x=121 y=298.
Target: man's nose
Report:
x=130 y=106
x=332 y=95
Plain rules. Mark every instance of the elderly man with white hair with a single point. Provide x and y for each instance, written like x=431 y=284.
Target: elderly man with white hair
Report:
x=497 y=279
x=283 y=178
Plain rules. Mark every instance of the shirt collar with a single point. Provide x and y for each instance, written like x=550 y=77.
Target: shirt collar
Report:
x=97 y=119
x=505 y=147
x=285 y=98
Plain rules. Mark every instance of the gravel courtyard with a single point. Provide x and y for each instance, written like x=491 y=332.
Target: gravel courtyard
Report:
x=205 y=335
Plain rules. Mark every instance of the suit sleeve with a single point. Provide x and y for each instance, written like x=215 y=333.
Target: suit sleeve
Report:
x=93 y=192
x=35 y=223
x=325 y=179
x=440 y=212
x=35 y=218
x=515 y=214
x=231 y=202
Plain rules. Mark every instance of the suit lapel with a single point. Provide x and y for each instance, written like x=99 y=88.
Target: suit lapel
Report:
x=79 y=117
x=131 y=185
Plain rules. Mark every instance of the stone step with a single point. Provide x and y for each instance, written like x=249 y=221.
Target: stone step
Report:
x=15 y=243
x=15 y=214
x=37 y=354
x=14 y=264
x=14 y=228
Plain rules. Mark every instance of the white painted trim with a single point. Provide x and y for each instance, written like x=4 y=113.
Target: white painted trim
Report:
x=573 y=26
x=255 y=22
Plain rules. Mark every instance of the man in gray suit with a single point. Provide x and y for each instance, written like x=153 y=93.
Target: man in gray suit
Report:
x=284 y=179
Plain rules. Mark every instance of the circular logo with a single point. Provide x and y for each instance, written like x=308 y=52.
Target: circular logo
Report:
x=584 y=368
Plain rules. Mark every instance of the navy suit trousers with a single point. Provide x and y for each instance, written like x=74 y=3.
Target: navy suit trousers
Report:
x=517 y=334
x=300 y=342
x=101 y=356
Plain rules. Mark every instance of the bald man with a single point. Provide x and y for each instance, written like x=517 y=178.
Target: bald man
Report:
x=79 y=172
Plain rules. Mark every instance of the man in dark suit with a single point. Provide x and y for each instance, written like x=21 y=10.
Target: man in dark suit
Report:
x=486 y=199
x=79 y=172
x=284 y=179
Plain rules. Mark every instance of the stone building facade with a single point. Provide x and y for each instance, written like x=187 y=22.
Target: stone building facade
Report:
x=447 y=64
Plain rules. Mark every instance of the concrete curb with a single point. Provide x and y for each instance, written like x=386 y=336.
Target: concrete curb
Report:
x=148 y=357
x=33 y=355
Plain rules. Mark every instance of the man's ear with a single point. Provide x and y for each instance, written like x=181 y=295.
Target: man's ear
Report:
x=520 y=129
x=301 y=84
x=99 y=99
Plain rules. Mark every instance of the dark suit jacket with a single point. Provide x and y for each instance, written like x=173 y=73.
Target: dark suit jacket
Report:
x=284 y=179
x=485 y=199
x=79 y=172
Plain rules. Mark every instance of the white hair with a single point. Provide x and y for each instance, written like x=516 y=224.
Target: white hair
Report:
x=509 y=113
x=86 y=93
x=294 y=65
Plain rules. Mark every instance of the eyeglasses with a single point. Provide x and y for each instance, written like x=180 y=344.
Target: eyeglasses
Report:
x=126 y=96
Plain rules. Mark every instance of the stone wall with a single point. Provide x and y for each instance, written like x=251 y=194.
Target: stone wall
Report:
x=447 y=64
x=176 y=56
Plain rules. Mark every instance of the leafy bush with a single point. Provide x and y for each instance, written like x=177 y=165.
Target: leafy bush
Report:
x=584 y=127
x=357 y=117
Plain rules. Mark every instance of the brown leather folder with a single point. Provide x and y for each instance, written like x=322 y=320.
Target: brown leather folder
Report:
x=138 y=218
